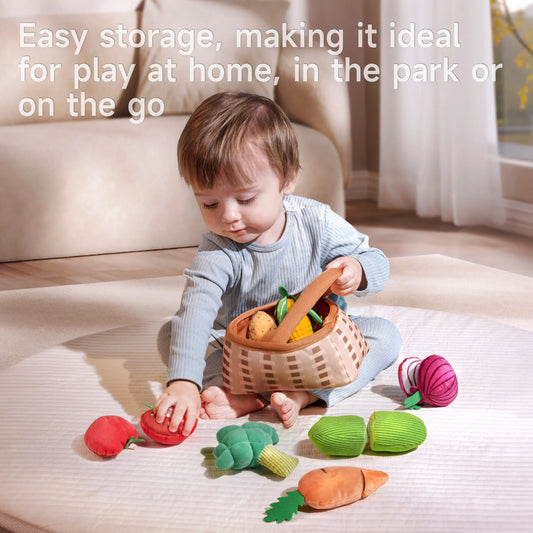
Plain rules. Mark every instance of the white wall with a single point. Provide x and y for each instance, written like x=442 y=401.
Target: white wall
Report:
x=364 y=96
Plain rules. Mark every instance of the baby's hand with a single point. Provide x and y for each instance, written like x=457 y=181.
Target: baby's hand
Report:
x=352 y=278
x=181 y=401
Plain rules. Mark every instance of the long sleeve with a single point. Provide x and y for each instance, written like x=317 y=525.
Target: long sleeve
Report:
x=206 y=281
x=340 y=238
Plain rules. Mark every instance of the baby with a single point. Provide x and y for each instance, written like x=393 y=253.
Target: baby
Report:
x=239 y=154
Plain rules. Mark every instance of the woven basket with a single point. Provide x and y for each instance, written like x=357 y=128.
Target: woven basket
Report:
x=328 y=358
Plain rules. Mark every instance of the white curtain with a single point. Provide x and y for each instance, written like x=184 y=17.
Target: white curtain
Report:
x=438 y=139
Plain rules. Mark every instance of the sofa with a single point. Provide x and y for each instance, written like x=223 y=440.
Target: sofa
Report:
x=84 y=172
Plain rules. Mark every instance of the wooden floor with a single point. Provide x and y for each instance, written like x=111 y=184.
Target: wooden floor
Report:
x=397 y=233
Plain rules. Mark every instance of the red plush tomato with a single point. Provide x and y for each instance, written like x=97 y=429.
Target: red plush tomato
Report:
x=160 y=432
x=107 y=436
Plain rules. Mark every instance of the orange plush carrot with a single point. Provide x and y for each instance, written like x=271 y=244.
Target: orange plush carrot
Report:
x=327 y=488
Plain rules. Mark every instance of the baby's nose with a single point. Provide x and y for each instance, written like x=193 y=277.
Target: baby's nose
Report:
x=230 y=212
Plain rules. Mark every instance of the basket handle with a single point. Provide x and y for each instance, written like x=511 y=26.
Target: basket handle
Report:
x=304 y=303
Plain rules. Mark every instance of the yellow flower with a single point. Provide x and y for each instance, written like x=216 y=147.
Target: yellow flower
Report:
x=523 y=93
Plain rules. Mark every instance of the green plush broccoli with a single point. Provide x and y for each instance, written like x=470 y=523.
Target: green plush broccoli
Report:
x=249 y=446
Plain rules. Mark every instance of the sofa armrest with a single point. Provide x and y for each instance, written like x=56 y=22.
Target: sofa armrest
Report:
x=322 y=105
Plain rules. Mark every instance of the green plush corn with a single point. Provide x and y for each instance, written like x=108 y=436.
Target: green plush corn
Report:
x=339 y=435
x=387 y=431
x=395 y=431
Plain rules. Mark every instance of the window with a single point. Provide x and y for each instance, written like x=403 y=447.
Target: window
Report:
x=512 y=31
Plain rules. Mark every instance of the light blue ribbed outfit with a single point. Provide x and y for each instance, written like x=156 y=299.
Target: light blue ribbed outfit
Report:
x=227 y=278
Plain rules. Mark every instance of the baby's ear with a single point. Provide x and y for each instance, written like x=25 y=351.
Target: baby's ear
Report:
x=290 y=185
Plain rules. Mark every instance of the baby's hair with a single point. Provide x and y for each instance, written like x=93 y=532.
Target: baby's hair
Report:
x=219 y=138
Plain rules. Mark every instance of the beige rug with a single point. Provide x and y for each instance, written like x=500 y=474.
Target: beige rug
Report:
x=446 y=284
x=473 y=472
x=34 y=319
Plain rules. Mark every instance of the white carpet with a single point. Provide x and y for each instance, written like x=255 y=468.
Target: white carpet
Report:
x=473 y=472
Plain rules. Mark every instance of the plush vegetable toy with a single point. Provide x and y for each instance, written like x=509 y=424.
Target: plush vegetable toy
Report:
x=431 y=381
x=161 y=432
x=249 y=446
x=108 y=435
x=261 y=326
x=304 y=328
x=327 y=488
x=393 y=432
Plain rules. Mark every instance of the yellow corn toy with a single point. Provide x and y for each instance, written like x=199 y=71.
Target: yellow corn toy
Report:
x=304 y=328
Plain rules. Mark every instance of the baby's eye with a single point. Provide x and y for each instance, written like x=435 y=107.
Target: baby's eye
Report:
x=247 y=201
x=210 y=206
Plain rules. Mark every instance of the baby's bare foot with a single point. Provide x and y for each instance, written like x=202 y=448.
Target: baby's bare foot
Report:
x=288 y=405
x=218 y=403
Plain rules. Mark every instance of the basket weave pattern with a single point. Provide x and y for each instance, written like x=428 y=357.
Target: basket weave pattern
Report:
x=328 y=358
x=329 y=362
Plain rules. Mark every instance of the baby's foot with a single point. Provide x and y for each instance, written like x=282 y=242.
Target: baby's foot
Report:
x=288 y=405
x=218 y=403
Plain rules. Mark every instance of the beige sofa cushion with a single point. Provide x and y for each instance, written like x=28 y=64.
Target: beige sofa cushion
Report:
x=92 y=187
x=103 y=186
x=223 y=18
x=12 y=89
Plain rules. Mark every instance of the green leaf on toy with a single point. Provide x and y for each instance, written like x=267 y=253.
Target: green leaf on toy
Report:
x=285 y=508
x=412 y=401
x=281 y=307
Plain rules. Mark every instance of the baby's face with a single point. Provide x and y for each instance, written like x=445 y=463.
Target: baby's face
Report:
x=251 y=212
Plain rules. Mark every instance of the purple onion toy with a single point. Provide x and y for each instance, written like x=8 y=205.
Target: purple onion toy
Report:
x=431 y=381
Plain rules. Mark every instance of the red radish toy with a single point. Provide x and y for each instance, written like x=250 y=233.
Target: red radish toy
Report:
x=107 y=436
x=431 y=381
x=160 y=432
